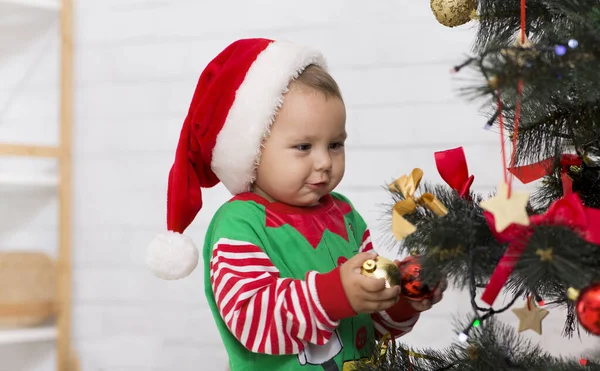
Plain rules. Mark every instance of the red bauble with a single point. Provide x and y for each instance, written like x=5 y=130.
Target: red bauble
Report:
x=588 y=308
x=411 y=283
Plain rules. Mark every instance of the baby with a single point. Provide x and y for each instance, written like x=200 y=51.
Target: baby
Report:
x=282 y=257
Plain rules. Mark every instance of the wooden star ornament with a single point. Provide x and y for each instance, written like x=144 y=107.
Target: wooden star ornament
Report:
x=530 y=316
x=506 y=210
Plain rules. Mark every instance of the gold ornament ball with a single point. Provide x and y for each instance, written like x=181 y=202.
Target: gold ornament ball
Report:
x=382 y=268
x=452 y=13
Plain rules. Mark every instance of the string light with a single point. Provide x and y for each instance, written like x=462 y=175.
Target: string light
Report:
x=560 y=50
x=464 y=336
x=573 y=43
x=539 y=300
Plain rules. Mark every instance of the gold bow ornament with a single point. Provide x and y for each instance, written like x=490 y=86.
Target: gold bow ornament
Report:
x=376 y=358
x=407 y=185
x=381 y=350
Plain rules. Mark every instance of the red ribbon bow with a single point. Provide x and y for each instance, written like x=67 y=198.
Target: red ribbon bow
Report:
x=452 y=166
x=568 y=211
x=529 y=173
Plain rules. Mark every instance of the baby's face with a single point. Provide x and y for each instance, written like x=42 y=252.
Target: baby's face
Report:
x=303 y=159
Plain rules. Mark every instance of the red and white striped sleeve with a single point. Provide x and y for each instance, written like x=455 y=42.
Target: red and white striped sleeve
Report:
x=267 y=313
x=401 y=317
x=366 y=244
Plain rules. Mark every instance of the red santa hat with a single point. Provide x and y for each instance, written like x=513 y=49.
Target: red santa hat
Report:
x=234 y=104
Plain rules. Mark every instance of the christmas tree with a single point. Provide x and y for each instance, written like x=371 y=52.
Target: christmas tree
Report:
x=538 y=69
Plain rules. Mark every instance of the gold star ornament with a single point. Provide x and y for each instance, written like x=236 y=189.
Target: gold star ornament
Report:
x=530 y=316
x=506 y=210
x=545 y=254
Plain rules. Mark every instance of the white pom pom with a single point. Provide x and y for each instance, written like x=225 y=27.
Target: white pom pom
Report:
x=172 y=256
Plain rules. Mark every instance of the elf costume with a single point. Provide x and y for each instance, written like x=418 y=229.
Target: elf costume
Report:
x=271 y=270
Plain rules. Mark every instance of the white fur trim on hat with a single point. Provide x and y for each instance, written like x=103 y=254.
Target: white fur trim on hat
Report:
x=257 y=100
x=172 y=256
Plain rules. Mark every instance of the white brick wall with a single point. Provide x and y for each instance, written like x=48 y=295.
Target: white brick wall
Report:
x=137 y=63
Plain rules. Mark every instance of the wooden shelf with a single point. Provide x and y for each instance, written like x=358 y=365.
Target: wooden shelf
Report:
x=23 y=180
x=9 y=149
x=18 y=17
x=35 y=4
x=28 y=335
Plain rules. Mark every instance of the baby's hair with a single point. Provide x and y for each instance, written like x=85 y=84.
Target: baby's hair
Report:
x=315 y=77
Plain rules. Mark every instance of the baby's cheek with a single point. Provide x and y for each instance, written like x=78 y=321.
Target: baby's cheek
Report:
x=339 y=170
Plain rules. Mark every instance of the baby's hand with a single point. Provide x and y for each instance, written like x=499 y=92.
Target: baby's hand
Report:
x=366 y=294
x=426 y=304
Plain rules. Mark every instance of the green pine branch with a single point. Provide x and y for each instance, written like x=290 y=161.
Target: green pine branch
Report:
x=462 y=247
x=560 y=101
x=585 y=182
x=492 y=346
x=559 y=112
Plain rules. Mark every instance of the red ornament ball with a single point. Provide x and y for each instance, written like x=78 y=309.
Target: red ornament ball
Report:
x=412 y=286
x=588 y=308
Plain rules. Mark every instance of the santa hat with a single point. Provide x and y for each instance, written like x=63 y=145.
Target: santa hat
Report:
x=234 y=104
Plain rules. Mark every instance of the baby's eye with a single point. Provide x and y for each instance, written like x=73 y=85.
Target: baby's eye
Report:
x=336 y=146
x=303 y=147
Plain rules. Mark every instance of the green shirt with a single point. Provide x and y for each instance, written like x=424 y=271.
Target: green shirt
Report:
x=273 y=284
